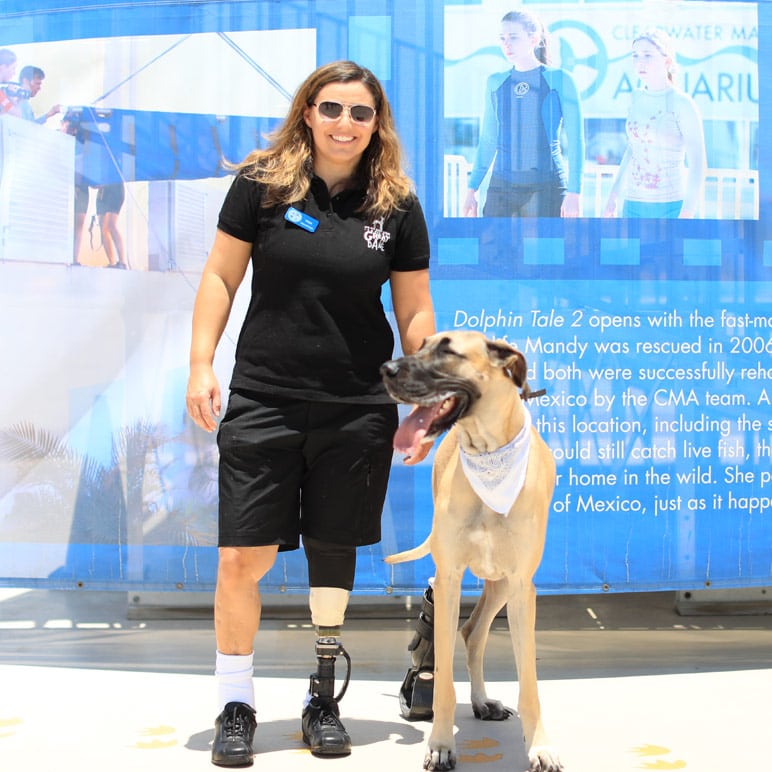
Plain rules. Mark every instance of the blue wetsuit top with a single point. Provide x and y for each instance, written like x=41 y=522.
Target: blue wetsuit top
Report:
x=511 y=101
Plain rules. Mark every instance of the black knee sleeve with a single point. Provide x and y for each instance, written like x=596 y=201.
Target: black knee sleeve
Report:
x=330 y=565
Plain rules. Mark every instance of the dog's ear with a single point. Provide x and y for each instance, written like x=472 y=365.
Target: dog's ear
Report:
x=503 y=355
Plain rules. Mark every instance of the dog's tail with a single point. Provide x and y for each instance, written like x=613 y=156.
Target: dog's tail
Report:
x=414 y=554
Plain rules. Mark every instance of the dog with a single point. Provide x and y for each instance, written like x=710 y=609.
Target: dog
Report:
x=492 y=483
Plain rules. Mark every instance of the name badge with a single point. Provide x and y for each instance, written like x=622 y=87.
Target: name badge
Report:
x=301 y=219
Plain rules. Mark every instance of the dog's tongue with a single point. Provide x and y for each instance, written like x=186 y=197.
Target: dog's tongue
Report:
x=413 y=428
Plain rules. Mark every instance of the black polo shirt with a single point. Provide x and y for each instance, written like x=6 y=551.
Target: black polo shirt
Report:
x=315 y=327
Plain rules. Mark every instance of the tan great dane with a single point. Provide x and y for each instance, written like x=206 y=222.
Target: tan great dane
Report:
x=475 y=387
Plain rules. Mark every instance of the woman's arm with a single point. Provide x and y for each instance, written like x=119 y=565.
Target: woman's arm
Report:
x=486 y=147
x=413 y=308
x=690 y=123
x=612 y=203
x=573 y=126
x=414 y=311
x=222 y=275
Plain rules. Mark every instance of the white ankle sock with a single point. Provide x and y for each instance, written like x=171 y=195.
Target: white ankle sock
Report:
x=234 y=678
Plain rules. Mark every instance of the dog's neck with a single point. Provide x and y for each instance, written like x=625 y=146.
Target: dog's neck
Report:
x=485 y=431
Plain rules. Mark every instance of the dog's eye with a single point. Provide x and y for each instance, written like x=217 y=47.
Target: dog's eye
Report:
x=445 y=349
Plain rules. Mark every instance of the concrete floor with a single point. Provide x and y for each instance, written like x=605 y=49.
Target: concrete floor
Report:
x=626 y=684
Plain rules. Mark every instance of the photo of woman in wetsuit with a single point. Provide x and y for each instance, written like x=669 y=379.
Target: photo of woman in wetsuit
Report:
x=531 y=111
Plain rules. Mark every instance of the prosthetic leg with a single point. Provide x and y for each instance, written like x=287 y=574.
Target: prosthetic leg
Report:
x=417 y=690
x=322 y=730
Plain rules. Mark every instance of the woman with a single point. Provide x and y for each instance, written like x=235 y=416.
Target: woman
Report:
x=327 y=215
x=529 y=111
x=664 y=128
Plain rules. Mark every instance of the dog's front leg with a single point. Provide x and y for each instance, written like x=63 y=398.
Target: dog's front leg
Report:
x=521 y=613
x=475 y=634
x=441 y=750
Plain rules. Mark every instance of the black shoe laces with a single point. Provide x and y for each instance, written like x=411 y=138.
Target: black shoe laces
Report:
x=328 y=718
x=235 y=724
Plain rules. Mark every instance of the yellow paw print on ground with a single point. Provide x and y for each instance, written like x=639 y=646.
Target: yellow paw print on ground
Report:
x=482 y=756
x=658 y=750
x=156 y=737
x=8 y=726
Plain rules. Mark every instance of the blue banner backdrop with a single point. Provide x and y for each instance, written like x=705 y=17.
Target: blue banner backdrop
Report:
x=652 y=337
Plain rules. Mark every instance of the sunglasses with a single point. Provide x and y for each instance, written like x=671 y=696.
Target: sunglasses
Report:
x=331 y=111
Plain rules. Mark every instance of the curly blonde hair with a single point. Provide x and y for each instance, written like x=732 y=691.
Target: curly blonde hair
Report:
x=286 y=165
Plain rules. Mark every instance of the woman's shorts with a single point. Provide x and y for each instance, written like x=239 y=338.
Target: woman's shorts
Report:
x=290 y=467
x=110 y=198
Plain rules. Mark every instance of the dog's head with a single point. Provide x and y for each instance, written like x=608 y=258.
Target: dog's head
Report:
x=445 y=378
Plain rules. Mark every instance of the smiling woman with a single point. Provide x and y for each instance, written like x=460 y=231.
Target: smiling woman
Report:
x=340 y=138
x=326 y=215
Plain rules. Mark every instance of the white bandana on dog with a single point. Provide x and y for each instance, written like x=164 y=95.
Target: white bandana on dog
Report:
x=498 y=477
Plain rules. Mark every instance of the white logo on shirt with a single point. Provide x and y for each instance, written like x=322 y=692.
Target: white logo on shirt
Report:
x=375 y=236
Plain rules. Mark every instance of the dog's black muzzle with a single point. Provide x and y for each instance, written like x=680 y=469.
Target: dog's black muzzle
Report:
x=415 y=381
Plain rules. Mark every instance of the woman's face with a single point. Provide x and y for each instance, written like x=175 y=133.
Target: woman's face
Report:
x=650 y=64
x=7 y=72
x=341 y=140
x=517 y=44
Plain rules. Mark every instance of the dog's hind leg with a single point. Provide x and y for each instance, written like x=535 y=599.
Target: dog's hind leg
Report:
x=521 y=613
x=475 y=634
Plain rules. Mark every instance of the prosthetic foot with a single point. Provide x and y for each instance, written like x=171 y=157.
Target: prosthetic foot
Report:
x=323 y=731
x=417 y=691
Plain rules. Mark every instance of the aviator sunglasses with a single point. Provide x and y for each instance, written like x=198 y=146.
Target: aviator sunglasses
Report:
x=331 y=111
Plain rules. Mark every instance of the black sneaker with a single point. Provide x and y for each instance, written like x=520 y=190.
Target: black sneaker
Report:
x=234 y=729
x=322 y=729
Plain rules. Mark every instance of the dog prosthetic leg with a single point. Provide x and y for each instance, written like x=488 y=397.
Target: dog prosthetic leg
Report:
x=322 y=728
x=417 y=691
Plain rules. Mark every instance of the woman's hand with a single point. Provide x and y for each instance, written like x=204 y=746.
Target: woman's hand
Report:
x=610 y=209
x=203 y=398
x=469 y=207
x=570 y=205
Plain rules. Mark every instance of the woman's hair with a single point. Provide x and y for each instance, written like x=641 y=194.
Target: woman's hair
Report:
x=6 y=57
x=663 y=43
x=286 y=165
x=533 y=25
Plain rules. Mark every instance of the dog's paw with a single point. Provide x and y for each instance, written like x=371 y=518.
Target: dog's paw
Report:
x=543 y=758
x=440 y=758
x=492 y=710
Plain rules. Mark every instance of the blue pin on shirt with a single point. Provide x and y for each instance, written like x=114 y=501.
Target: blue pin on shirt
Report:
x=301 y=219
